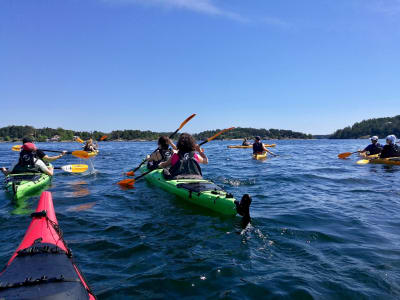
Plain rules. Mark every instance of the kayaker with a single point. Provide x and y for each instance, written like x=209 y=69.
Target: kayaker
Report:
x=259 y=148
x=185 y=163
x=373 y=148
x=245 y=142
x=89 y=146
x=390 y=149
x=163 y=153
x=38 y=157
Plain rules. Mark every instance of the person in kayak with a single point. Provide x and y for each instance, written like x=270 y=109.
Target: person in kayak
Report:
x=185 y=163
x=373 y=148
x=259 y=148
x=245 y=142
x=163 y=152
x=390 y=149
x=31 y=158
x=89 y=146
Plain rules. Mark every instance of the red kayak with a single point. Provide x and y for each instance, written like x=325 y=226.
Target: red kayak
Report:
x=42 y=267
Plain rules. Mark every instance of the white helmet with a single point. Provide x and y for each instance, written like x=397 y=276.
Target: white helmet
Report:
x=392 y=138
x=374 y=138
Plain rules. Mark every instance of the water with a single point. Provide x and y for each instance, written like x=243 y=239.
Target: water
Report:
x=322 y=228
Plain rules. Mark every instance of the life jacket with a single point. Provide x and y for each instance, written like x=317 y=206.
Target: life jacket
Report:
x=165 y=155
x=185 y=167
x=374 y=149
x=258 y=148
x=391 y=150
x=26 y=162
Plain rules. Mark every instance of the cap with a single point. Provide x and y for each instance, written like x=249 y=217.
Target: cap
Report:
x=374 y=138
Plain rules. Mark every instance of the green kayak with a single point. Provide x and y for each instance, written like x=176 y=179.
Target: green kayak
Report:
x=24 y=184
x=198 y=191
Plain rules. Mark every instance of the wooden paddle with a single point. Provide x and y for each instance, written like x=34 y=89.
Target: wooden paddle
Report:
x=345 y=154
x=130 y=182
x=77 y=153
x=131 y=173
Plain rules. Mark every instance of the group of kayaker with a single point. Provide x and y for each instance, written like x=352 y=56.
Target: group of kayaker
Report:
x=32 y=159
x=388 y=150
x=180 y=160
x=184 y=159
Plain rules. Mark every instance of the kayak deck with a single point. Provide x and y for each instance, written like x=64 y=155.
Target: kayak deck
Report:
x=42 y=266
x=260 y=156
x=197 y=191
x=21 y=185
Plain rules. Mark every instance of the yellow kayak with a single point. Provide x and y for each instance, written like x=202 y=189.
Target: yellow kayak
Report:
x=250 y=146
x=386 y=161
x=93 y=153
x=260 y=156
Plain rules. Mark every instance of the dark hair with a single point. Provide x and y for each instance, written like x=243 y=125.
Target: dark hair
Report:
x=27 y=140
x=163 y=142
x=186 y=143
x=258 y=138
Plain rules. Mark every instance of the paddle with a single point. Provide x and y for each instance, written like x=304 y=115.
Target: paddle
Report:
x=131 y=173
x=345 y=154
x=72 y=168
x=78 y=168
x=77 y=153
x=103 y=138
x=79 y=140
x=215 y=135
x=130 y=182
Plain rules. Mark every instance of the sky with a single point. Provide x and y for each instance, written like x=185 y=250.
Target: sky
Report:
x=312 y=65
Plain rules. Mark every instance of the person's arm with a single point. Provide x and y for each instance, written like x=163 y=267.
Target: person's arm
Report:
x=165 y=163
x=270 y=152
x=171 y=143
x=203 y=159
x=53 y=158
x=45 y=169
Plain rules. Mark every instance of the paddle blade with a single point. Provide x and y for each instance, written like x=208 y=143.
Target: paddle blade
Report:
x=127 y=182
x=270 y=145
x=74 y=168
x=345 y=155
x=80 y=154
x=219 y=133
x=363 y=162
x=130 y=173
x=103 y=138
x=16 y=148
x=187 y=120
x=79 y=140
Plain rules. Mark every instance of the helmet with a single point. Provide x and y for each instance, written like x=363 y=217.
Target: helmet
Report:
x=374 y=138
x=29 y=147
x=392 y=138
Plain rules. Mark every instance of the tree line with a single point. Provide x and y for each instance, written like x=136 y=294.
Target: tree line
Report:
x=15 y=133
x=381 y=127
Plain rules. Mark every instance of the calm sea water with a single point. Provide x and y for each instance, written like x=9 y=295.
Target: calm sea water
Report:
x=322 y=228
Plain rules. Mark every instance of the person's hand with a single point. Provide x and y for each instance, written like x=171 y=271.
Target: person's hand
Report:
x=63 y=153
x=198 y=149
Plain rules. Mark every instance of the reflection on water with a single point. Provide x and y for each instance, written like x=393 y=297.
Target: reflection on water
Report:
x=78 y=189
x=82 y=207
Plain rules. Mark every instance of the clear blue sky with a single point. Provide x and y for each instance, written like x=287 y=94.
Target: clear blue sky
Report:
x=312 y=66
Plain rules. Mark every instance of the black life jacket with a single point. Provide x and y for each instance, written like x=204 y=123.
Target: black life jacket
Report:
x=258 y=148
x=165 y=155
x=391 y=150
x=26 y=162
x=186 y=167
